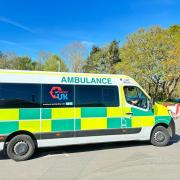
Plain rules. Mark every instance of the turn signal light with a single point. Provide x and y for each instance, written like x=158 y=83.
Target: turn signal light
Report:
x=1 y=138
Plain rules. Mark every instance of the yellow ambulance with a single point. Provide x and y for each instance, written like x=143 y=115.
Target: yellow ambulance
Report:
x=45 y=109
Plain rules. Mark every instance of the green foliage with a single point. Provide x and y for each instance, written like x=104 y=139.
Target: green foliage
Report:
x=175 y=31
x=36 y=66
x=22 y=63
x=54 y=63
x=3 y=62
x=151 y=56
x=49 y=63
x=94 y=61
x=113 y=53
x=101 y=60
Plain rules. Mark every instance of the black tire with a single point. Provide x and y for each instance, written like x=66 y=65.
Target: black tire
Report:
x=160 y=136
x=20 y=148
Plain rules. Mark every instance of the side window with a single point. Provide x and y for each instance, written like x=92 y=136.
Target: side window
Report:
x=135 y=96
x=55 y=95
x=88 y=96
x=111 y=96
x=18 y=95
x=96 y=96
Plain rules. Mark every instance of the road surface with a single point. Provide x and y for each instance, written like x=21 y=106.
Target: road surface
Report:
x=114 y=161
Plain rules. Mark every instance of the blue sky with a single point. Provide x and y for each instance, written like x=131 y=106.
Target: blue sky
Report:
x=29 y=26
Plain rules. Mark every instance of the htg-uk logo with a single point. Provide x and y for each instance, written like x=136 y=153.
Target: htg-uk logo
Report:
x=57 y=93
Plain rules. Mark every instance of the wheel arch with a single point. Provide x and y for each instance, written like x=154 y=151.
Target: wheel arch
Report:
x=167 y=126
x=21 y=132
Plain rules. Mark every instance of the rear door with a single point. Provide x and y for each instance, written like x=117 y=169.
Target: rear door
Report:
x=19 y=107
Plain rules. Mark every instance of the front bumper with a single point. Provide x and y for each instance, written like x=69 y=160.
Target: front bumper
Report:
x=173 y=127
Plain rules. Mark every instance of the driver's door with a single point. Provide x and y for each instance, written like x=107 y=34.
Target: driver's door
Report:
x=137 y=108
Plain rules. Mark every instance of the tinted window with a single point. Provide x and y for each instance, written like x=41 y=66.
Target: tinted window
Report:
x=96 y=96
x=17 y=95
x=135 y=96
x=55 y=95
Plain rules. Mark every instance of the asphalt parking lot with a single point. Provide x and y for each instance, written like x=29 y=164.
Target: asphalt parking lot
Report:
x=127 y=160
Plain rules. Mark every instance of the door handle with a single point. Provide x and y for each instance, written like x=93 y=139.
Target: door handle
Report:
x=129 y=113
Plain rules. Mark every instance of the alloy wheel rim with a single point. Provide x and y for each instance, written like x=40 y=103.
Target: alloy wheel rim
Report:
x=159 y=136
x=21 y=148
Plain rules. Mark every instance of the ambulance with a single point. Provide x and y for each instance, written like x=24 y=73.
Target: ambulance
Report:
x=46 y=109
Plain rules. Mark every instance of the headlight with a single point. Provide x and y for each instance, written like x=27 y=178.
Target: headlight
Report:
x=171 y=113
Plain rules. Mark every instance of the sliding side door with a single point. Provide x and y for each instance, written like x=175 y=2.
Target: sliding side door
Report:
x=57 y=111
x=99 y=110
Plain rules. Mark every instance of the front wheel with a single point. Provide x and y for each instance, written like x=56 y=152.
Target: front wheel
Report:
x=160 y=136
x=20 y=148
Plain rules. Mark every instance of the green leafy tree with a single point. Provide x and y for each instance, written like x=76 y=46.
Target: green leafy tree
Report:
x=151 y=56
x=37 y=66
x=113 y=54
x=102 y=60
x=43 y=56
x=175 y=60
x=22 y=63
x=6 y=60
x=55 y=63
x=92 y=63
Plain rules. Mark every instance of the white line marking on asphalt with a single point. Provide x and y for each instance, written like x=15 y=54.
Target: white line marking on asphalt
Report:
x=56 y=155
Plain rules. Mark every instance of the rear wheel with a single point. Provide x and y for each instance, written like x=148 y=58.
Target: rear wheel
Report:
x=20 y=148
x=160 y=136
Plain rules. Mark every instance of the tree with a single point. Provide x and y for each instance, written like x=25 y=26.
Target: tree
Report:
x=6 y=60
x=75 y=55
x=1 y=54
x=47 y=61
x=37 y=66
x=43 y=56
x=175 y=31
x=22 y=63
x=97 y=61
x=113 y=54
x=92 y=63
x=152 y=57
x=3 y=61
x=102 y=60
x=174 y=60
x=55 y=63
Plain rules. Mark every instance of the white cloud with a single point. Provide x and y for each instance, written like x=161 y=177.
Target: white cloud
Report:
x=16 y=24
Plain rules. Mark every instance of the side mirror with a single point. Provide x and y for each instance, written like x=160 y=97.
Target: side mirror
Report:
x=151 y=103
